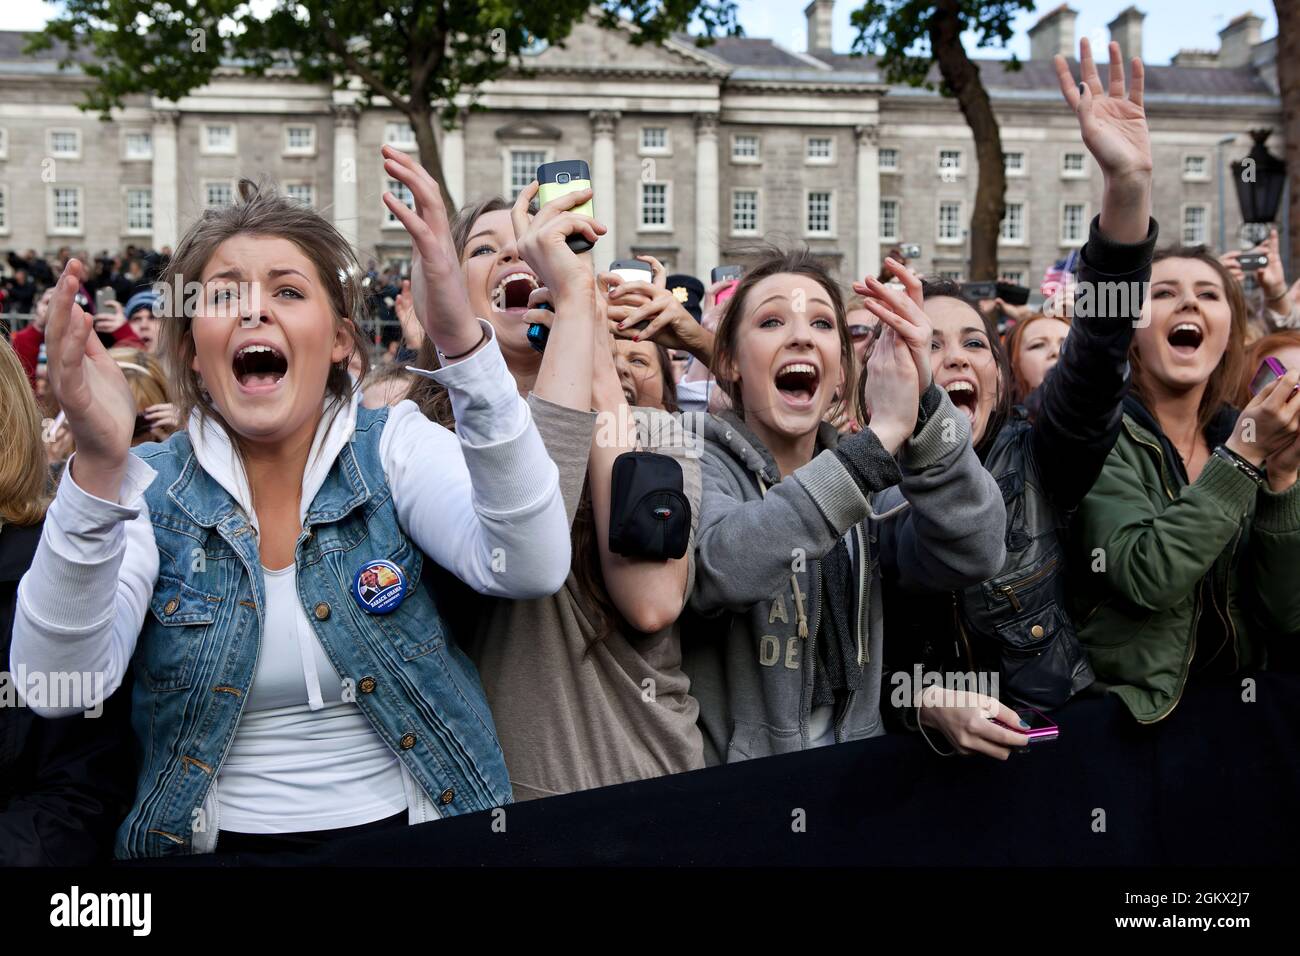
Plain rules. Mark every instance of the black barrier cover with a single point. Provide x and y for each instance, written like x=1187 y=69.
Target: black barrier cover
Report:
x=1217 y=782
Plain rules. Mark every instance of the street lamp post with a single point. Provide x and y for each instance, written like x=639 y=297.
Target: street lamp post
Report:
x=1261 y=179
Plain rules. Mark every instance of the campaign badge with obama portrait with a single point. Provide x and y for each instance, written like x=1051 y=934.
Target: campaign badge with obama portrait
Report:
x=379 y=587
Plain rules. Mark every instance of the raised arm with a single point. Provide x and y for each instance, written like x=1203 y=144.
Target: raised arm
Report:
x=81 y=606
x=1081 y=399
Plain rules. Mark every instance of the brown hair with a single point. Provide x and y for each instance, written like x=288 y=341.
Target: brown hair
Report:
x=431 y=397
x=1014 y=343
x=771 y=260
x=1259 y=350
x=260 y=211
x=948 y=289
x=24 y=474
x=1223 y=383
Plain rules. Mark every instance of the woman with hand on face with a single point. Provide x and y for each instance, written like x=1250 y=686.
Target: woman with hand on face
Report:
x=1015 y=624
x=567 y=676
x=1189 y=540
x=789 y=656
x=224 y=565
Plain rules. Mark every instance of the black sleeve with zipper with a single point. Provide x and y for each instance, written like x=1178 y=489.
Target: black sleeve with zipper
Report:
x=1081 y=399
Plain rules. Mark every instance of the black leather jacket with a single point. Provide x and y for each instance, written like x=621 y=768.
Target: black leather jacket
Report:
x=1016 y=624
x=64 y=784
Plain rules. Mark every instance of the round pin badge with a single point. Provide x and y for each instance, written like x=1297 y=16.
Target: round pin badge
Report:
x=379 y=587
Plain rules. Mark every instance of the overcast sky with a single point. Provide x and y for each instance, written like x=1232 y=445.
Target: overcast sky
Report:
x=1170 y=25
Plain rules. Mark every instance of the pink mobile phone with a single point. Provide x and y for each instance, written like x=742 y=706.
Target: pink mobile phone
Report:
x=1041 y=728
x=1269 y=370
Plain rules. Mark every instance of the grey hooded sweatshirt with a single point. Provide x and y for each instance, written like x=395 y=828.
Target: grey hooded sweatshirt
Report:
x=758 y=568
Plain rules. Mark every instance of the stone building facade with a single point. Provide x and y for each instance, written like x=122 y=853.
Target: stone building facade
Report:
x=696 y=153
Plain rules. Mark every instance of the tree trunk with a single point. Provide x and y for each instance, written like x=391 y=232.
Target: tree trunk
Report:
x=430 y=158
x=963 y=79
x=1288 y=76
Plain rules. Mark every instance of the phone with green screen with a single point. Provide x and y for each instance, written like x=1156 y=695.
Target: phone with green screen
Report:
x=566 y=176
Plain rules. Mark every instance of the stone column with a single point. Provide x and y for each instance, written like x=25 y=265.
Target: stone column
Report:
x=166 y=202
x=453 y=158
x=868 y=183
x=604 y=185
x=706 y=194
x=346 y=172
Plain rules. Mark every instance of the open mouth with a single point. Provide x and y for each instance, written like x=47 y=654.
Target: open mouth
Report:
x=964 y=395
x=511 y=293
x=259 y=367
x=797 y=382
x=629 y=393
x=1185 y=338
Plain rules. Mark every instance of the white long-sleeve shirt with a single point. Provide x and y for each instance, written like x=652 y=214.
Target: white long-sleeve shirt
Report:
x=460 y=497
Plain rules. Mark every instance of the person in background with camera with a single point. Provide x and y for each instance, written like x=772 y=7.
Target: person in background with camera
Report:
x=112 y=326
x=586 y=687
x=64 y=785
x=1279 y=306
x=784 y=652
x=1015 y=622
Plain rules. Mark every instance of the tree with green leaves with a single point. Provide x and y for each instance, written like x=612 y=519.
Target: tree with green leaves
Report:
x=419 y=55
x=915 y=33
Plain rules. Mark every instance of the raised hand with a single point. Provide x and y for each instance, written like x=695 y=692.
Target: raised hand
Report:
x=1114 y=127
x=1269 y=424
x=902 y=311
x=437 y=283
x=541 y=241
x=97 y=403
x=891 y=390
x=408 y=318
x=112 y=320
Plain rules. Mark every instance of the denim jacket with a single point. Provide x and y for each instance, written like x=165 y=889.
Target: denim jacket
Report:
x=195 y=660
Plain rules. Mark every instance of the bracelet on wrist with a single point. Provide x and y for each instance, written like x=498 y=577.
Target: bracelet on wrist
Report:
x=483 y=337
x=1247 y=468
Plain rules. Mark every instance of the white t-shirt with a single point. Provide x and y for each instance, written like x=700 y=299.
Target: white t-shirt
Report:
x=303 y=758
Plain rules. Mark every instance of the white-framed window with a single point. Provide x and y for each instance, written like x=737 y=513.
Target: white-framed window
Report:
x=949 y=222
x=1074 y=165
x=4 y=209
x=655 y=141
x=1074 y=223
x=654 y=207
x=1013 y=162
x=137 y=144
x=1014 y=276
x=218 y=139
x=954 y=275
x=1196 y=167
x=950 y=163
x=819 y=150
x=888 y=156
x=1196 y=223
x=4 y=143
x=299 y=139
x=64 y=143
x=400 y=134
x=521 y=169
x=403 y=195
x=302 y=193
x=819 y=212
x=744 y=212
x=1014 y=230
x=64 y=211
x=889 y=214
x=139 y=210
x=745 y=148
x=218 y=193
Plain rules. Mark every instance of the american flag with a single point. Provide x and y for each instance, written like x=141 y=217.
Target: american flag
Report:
x=1060 y=274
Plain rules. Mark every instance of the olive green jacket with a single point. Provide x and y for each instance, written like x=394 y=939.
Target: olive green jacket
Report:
x=1156 y=553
